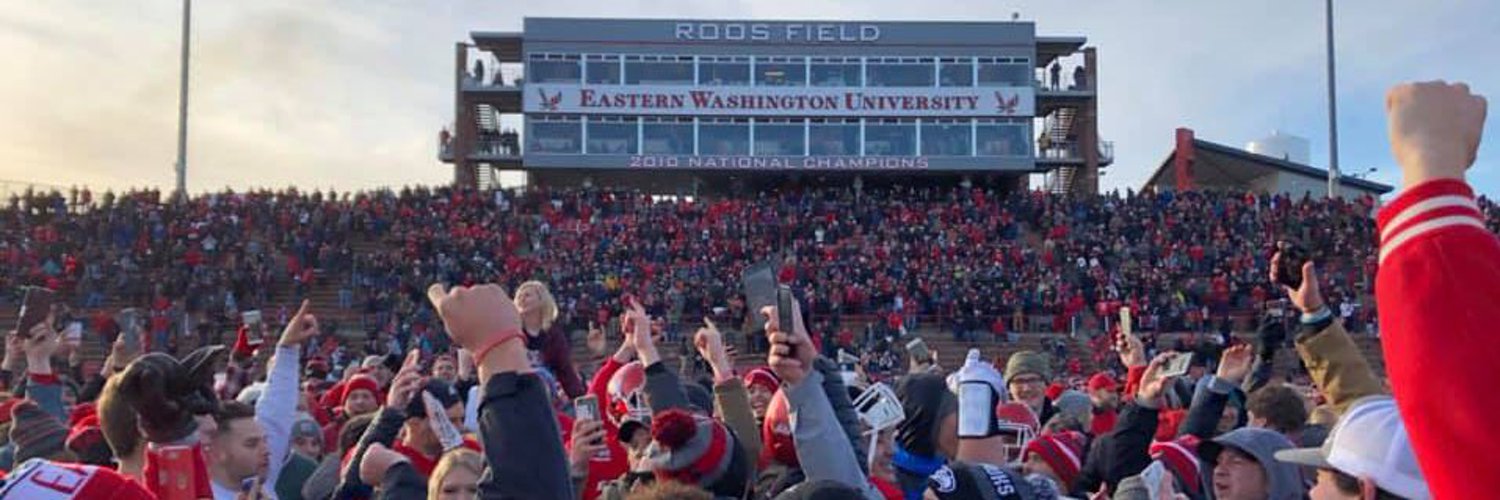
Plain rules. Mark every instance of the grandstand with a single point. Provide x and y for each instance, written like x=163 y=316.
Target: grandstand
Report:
x=1035 y=233
x=716 y=106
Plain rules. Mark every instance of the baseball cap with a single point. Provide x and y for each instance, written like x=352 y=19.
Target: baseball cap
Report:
x=306 y=427
x=1368 y=441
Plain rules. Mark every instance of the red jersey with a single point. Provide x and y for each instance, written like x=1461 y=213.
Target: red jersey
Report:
x=1438 y=283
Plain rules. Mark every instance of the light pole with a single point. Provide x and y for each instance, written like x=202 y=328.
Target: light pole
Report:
x=1333 y=115
x=182 y=102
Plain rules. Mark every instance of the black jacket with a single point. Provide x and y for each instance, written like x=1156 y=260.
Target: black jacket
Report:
x=1121 y=453
x=522 y=444
x=1208 y=407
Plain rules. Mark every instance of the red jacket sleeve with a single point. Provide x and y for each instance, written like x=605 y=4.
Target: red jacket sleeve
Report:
x=599 y=387
x=1438 y=293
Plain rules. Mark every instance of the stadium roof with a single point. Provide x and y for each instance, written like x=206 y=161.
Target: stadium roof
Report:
x=1053 y=47
x=1218 y=165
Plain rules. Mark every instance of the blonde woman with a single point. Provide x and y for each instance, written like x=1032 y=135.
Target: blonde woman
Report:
x=456 y=476
x=547 y=342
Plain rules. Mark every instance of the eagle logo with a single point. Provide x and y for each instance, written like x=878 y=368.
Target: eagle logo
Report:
x=1007 y=106
x=550 y=103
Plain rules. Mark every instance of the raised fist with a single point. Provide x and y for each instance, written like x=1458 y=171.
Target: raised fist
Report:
x=474 y=314
x=1434 y=129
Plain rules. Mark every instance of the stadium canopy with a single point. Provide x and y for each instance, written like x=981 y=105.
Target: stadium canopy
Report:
x=1200 y=164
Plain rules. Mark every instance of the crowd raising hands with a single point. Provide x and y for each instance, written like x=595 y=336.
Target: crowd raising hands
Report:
x=499 y=415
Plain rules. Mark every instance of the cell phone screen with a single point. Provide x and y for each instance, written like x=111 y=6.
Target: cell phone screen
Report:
x=1178 y=365
x=586 y=407
x=253 y=325
x=975 y=409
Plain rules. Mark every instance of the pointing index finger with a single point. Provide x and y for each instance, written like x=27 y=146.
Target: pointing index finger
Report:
x=435 y=293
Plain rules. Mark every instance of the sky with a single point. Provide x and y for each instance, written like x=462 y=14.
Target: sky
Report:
x=350 y=94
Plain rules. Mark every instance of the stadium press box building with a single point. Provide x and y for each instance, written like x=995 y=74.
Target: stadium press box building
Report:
x=665 y=104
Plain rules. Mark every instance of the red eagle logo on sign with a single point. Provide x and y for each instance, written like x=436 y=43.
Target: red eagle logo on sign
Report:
x=1007 y=106
x=550 y=103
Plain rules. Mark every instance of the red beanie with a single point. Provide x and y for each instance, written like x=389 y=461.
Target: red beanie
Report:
x=762 y=377
x=1181 y=457
x=358 y=382
x=1055 y=390
x=84 y=433
x=1063 y=451
x=1167 y=424
x=1102 y=380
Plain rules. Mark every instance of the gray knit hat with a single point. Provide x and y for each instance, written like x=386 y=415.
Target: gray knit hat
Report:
x=689 y=448
x=1026 y=362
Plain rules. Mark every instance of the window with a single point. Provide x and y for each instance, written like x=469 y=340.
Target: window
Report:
x=899 y=72
x=1003 y=138
x=724 y=70
x=555 y=134
x=1005 y=72
x=667 y=136
x=781 y=71
x=956 y=72
x=833 y=137
x=836 y=72
x=554 y=68
x=782 y=137
x=946 y=138
x=603 y=69
x=890 y=137
x=724 y=136
x=612 y=135
x=659 y=70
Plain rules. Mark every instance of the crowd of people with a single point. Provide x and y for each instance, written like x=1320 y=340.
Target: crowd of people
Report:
x=477 y=395
x=978 y=262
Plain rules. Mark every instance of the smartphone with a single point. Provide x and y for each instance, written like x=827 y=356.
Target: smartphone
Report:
x=976 y=406
x=177 y=471
x=879 y=407
x=1289 y=265
x=586 y=407
x=1125 y=326
x=785 y=313
x=254 y=326
x=916 y=350
x=1178 y=365
x=35 y=308
x=129 y=320
x=74 y=332
x=759 y=281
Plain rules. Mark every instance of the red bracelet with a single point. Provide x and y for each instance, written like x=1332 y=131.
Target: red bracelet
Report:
x=504 y=337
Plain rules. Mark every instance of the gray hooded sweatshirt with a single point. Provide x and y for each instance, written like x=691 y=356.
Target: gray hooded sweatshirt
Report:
x=1261 y=444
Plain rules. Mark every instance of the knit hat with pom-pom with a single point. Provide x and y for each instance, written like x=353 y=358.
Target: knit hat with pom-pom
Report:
x=689 y=448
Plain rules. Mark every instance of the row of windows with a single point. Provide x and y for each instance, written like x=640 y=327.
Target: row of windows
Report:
x=779 y=137
x=796 y=71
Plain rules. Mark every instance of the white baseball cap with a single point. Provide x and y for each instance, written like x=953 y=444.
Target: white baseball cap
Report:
x=1369 y=441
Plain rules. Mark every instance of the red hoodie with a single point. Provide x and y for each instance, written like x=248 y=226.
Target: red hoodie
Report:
x=1438 y=286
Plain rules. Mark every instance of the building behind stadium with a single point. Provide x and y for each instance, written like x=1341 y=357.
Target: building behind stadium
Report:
x=682 y=106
